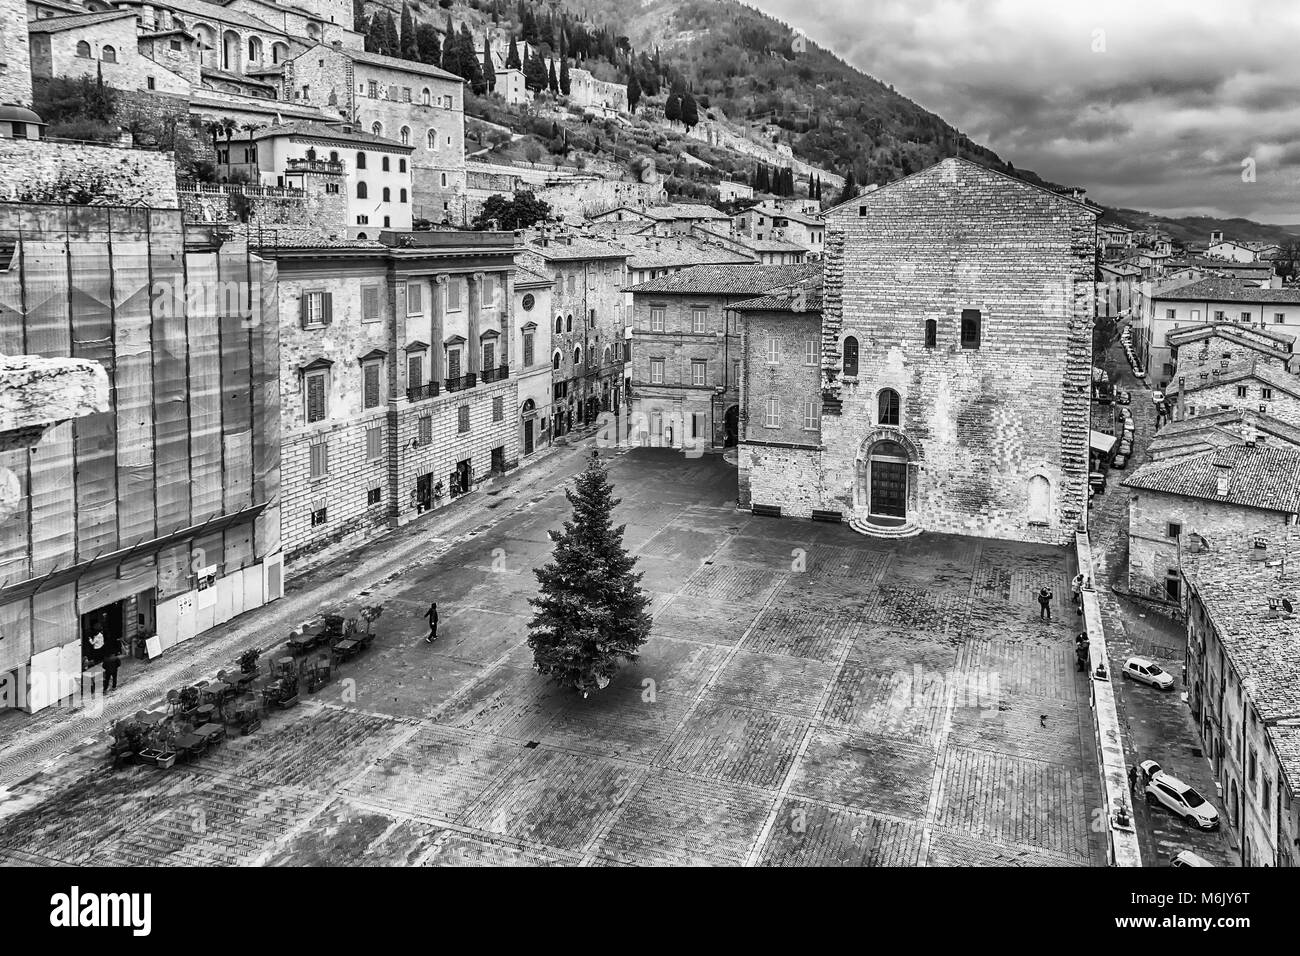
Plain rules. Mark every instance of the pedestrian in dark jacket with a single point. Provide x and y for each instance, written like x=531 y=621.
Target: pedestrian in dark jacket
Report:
x=432 y=615
x=111 y=664
x=1045 y=604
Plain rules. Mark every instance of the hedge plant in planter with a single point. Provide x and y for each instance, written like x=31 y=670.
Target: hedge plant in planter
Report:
x=248 y=661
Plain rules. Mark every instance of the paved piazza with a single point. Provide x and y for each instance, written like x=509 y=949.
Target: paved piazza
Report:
x=808 y=697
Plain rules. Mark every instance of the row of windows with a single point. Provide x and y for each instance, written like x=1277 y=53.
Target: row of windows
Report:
x=106 y=53
x=699 y=319
x=564 y=323
x=316 y=306
x=970 y=339
x=557 y=357
x=1244 y=318
x=363 y=192
x=811 y=414
x=403 y=94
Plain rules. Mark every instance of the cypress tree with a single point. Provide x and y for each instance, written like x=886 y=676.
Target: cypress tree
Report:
x=489 y=71
x=564 y=75
x=410 y=47
x=633 y=92
x=512 y=56
x=591 y=614
x=430 y=47
x=551 y=82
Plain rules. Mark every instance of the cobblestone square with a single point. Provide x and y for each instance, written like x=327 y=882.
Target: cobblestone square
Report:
x=808 y=697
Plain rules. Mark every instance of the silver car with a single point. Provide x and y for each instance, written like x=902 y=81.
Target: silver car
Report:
x=1182 y=799
x=1148 y=672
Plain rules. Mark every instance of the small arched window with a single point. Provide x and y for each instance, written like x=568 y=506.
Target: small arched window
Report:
x=108 y=54
x=401 y=196
x=1040 y=500
x=388 y=196
x=931 y=333
x=433 y=139
x=406 y=139
x=568 y=323
x=424 y=97
x=361 y=160
x=83 y=49
x=401 y=165
x=334 y=155
x=383 y=164
x=377 y=129
x=555 y=359
x=850 y=355
x=887 y=407
x=361 y=235
x=577 y=356
x=559 y=324
x=362 y=192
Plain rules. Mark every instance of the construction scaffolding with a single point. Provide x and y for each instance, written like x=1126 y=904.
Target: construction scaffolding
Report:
x=163 y=509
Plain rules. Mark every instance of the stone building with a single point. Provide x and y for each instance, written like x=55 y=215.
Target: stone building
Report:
x=956 y=353
x=1253 y=384
x=100 y=45
x=414 y=104
x=1218 y=429
x=398 y=388
x=532 y=350
x=371 y=174
x=15 y=59
x=1195 y=348
x=804 y=229
x=1243 y=683
x=587 y=326
x=158 y=518
x=1224 y=492
x=687 y=350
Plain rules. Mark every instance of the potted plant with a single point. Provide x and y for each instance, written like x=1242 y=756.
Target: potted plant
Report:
x=248 y=661
x=158 y=749
x=189 y=700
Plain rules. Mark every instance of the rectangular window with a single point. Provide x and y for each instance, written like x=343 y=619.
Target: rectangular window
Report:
x=374 y=496
x=970 y=328
x=453 y=363
x=773 y=350
x=1279 y=318
x=150 y=83
x=498 y=409
x=414 y=370
x=811 y=415
x=317 y=402
x=699 y=425
x=462 y=418
x=406 y=94
x=699 y=372
x=1245 y=318
x=414 y=299
x=656 y=320
x=318 y=518
x=375 y=442
x=1174 y=529
x=1241 y=391
x=426 y=429
x=370 y=303
x=489 y=355
x=453 y=294
x=1218 y=315
x=1266 y=394
x=315 y=309
x=810 y=352
x=1171 y=313
x=370 y=384
x=528 y=349
x=772 y=414
x=656 y=371
x=488 y=297
x=735 y=372
x=320 y=460
x=572 y=284
x=699 y=320
x=372 y=89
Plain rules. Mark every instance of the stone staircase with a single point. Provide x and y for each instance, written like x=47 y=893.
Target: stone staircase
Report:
x=901 y=529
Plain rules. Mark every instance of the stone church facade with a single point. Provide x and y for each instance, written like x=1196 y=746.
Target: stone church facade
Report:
x=955 y=359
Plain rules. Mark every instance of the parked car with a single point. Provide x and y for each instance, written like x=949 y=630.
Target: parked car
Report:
x=1148 y=672
x=1119 y=461
x=1157 y=397
x=1126 y=447
x=1122 y=396
x=1188 y=858
x=1184 y=800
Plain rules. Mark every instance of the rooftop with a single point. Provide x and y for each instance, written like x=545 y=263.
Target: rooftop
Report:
x=566 y=246
x=397 y=63
x=1229 y=290
x=59 y=24
x=1234 y=581
x=798 y=298
x=1259 y=476
x=730 y=280
x=1246 y=334
x=1208 y=377
x=1217 y=429
x=1286 y=744
x=327 y=133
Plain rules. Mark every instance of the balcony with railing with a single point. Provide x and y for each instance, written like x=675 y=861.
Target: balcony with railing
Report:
x=418 y=393
x=498 y=374
x=313 y=166
x=461 y=382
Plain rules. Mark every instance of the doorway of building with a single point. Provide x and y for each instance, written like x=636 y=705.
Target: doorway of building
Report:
x=528 y=437
x=731 y=427
x=460 y=478
x=888 y=485
x=499 y=460
x=424 y=492
x=103 y=626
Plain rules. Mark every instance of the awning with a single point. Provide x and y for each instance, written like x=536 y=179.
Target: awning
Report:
x=1101 y=442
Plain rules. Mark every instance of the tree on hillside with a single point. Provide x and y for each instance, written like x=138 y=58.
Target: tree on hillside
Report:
x=408 y=45
x=673 y=106
x=564 y=74
x=428 y=44
x=551 y=82
x=512 y=56
x=359 y=16
x=690 y=112
x=850 y=187
x=535 y=73
x=591 y=613
x=489 y=71
x=528 y=27
x=521 y=211
x=633 y=92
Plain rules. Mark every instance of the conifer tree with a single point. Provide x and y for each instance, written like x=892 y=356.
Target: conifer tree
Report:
x=564 y=70
x=591 y=614
x=409 y=46
x=512 y=56
x=551 y=82
x=489 y=71
x=430 y=47
x=633 y=92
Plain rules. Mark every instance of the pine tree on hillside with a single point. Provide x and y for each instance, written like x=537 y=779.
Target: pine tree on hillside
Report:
x=690 y=112
x=564 y=75
x=512 y=56
x=430 y=47
x=633 y=92
x=409 y=45
x=374 y=39
x=489 y=70
x=850 y=187
x=471 y=68
x=551 y=82
x=591 y=614
x=535 y=73
x=673 y=106
x=392 y=43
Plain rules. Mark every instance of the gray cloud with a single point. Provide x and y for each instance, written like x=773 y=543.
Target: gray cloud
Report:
x=1151 y=105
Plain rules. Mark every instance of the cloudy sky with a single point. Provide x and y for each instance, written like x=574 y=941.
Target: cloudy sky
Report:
x=1150 y=104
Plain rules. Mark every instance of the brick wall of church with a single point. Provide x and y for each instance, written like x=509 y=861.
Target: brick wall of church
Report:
x=980 y=423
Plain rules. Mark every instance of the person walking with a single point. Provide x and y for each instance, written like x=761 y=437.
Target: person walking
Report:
x=1045 y=604
x=432 y=615
x=111 y=663
x=1076 y=589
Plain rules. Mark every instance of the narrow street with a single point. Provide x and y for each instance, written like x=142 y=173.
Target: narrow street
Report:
x=1157 y=725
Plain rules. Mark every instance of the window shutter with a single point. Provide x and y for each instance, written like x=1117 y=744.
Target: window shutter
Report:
x=371 y=373
x=414 y=371
x=327 y=307
x=315 y=398
x=302 y=310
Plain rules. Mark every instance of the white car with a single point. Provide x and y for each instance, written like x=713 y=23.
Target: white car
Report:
x=1148 y=672
x=1183 y=800
x=1157 y=397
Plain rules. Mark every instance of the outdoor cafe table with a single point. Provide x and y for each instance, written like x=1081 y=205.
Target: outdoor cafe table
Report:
x=307 y=639
x=211 y=732
x=241 y=680
x=190 y=744
x=218 y=689
x=346 y=649
x=153 y=718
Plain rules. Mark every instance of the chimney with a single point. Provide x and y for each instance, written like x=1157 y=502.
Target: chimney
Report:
x=1223 y=473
